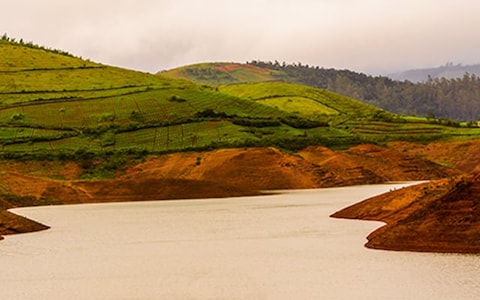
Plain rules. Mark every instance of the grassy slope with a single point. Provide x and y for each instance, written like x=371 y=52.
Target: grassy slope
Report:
x=57 y=104
x=341 y=112
x=51 y=102
x=301 y=100
x=223 y=73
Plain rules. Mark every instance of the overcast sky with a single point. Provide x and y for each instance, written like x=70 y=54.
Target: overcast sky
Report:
x=373 y=36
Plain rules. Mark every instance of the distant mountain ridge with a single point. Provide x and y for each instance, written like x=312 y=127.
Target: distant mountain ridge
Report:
x=447 y=71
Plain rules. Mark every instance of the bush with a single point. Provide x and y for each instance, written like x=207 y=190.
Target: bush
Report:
x=210 y=113
x=301 y=123
x=137 y=116
x=176 y=99
x=17 y=117
x=106 y=117
x=259 y=123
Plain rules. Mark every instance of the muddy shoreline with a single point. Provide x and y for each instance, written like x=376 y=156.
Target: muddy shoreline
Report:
x=244 y=172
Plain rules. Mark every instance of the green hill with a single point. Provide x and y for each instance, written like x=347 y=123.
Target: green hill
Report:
x=301 y=100
x=381 y=127
x=54 y=105
x=454 y=99
x=223 y=73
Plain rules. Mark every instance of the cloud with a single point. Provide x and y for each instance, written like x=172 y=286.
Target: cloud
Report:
x=368 y=35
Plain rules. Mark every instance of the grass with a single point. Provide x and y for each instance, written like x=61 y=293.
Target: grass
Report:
x=54 y=105
x=223 y=73
x=60 y=104
x=324 y=102
x=299 y=105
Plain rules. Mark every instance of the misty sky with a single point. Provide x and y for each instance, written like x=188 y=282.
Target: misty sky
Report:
x=373 y=36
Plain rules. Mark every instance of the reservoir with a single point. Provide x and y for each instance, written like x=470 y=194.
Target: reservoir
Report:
x=281 y=246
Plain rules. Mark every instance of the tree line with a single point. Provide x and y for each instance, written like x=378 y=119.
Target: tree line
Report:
x=457 y=99
x=6 y=39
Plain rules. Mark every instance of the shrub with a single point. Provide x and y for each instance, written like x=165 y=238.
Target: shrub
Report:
x=17 y=117
x=210 y=113
x=251 y=122
x=176 y=99
x=137 y=116
x=301 y=123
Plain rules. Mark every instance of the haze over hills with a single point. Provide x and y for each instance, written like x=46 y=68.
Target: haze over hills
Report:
x=447 y=71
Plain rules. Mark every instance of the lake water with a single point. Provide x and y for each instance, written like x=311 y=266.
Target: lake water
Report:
x=269 y=247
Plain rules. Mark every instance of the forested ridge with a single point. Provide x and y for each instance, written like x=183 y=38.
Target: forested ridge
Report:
x=457 y=99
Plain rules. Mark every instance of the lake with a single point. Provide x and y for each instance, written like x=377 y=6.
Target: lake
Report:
x=268 y=247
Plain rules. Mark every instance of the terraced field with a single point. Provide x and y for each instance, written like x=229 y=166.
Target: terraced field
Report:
x=411 y=131
x=53 y=104
x=303 y=99
x=57 y=104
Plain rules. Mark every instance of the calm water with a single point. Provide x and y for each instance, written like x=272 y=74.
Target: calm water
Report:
x=272 y=247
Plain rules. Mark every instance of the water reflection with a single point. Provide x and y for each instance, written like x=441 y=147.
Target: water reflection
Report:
x=273 y=247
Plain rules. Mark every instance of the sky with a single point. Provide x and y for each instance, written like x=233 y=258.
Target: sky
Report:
x=370 y=36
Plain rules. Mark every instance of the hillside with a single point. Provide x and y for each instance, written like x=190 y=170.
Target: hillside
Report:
x=456 y=99
x=75 y=131
x=223 y=73
x=57 y=104
x=437 y=216
x=216 y=173
x=440 y=216
x=301 y=100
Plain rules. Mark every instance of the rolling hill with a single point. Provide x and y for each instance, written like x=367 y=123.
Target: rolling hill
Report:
x=52 y=104
x=444 y=98
x=75 y=131
x=224 y=73
x=364 y=121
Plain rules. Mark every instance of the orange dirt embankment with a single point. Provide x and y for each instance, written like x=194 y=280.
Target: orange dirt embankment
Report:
x=460 y=155
x=438 y=216
x=219 y=173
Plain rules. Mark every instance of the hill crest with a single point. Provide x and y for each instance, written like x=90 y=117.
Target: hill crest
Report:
x=454 y=99
x=222 y=73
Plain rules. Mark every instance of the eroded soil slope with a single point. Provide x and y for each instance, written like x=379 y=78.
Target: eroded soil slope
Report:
x=460 y=155
x=219 y=173
x=438 y=216
x=362 y=162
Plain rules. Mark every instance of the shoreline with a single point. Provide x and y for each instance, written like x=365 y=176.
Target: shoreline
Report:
x=435 y=217
x=223 y=173
x=371 y=209
x=26 y=225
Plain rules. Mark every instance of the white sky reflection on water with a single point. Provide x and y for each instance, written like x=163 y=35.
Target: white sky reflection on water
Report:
x=274 y=247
